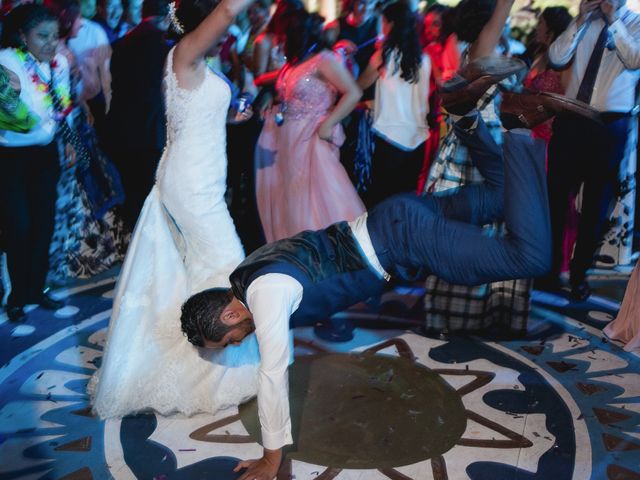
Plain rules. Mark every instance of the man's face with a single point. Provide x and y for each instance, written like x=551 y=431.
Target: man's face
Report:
x=135 y=11
x=432 y=26
x=113 y=12
x=363 y=8
x=88 y=8
x=233 y=337
x=234 y=315
x=256 y=14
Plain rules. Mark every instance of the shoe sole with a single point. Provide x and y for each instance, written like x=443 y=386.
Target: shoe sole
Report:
x=498 y=71
x=575 y=106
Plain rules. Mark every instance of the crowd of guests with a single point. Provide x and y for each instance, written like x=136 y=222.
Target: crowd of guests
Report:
x=326 y=121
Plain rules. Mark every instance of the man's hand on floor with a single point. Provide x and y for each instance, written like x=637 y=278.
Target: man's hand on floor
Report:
x=265 y=468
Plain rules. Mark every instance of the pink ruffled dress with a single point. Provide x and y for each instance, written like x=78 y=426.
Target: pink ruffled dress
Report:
x=300 y=182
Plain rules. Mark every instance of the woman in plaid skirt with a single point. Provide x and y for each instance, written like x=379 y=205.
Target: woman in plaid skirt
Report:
x=458 y=307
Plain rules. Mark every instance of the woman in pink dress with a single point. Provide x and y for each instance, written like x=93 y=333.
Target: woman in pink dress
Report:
x=626 y=326
x=300 y=182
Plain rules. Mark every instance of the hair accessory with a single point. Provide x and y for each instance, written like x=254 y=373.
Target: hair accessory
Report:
x=175 y=23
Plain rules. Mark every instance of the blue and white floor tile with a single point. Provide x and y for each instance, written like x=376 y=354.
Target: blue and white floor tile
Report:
x=563 y=403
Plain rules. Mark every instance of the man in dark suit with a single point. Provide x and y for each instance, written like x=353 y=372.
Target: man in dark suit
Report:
x=601 y=49
x=136 y=122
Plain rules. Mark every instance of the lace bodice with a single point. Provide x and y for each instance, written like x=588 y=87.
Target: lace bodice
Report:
x=195 y=154
x=304 y=92
x=191 y=111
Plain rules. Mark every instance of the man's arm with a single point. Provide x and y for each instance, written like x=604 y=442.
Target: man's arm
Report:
x=564 y=47
x=627 y=47
x=272 y=298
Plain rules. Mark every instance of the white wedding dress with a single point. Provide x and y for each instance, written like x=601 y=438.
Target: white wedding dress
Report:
x=184 y=242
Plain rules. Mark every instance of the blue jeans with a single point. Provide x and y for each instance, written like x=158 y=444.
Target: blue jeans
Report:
x=443 y=235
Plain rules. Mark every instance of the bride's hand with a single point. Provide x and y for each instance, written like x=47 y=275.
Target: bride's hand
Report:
x=240 y=117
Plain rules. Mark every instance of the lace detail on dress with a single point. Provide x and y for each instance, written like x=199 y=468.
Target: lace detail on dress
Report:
x=187 y=108
x=184 y=242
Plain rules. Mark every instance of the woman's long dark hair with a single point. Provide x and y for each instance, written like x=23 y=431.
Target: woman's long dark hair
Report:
x=22 y=20
x=304 y=31
x=557 y=20
x=278 y=22
x=402 y=42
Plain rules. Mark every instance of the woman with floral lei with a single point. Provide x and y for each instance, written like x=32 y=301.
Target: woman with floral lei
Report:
x=30 y=163
x=88 y=238
x=184 y=241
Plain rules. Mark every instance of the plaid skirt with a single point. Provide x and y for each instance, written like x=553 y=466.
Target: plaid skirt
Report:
x=457 y=307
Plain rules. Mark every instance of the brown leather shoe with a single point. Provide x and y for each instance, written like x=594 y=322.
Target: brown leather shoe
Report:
x=526 y=110
x=461 y=94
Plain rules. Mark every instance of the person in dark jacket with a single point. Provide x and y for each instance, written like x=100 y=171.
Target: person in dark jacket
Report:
x=136 y=123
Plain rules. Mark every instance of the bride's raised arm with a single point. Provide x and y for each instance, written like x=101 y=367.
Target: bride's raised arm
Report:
x=200 y=35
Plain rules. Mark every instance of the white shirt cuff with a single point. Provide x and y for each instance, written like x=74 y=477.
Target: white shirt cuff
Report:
x=276 y=440
x=614 y=28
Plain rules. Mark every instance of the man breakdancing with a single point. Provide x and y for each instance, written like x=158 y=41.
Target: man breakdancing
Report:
x=300 y=280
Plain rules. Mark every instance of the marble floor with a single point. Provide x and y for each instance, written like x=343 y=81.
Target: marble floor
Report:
x=393 y=403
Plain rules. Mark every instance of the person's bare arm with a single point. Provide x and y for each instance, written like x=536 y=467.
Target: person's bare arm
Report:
x=486 y=43
x=337 y=75
x=372 y=72
x=188 y=57
x=261 y=52
x=266 y=79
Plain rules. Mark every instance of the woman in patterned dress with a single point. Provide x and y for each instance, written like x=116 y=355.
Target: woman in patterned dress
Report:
x=88 y=237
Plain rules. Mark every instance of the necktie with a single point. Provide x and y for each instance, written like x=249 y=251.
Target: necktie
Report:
x=591 y=73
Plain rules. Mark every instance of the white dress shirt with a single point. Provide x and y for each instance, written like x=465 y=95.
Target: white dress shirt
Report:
x=93 y=55
x=618 y=75
x=272 y=298
x=43 y=132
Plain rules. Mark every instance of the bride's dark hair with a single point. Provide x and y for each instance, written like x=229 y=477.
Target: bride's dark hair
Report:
x=191 y=13
x=200 y=318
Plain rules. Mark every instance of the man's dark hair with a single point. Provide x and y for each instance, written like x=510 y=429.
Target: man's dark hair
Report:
x=200 y=318
x=155 y=8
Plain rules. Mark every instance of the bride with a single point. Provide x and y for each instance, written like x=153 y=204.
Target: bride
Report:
x=184 y=241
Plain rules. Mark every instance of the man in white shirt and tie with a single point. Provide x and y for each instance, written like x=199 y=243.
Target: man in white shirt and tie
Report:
x=602 y=49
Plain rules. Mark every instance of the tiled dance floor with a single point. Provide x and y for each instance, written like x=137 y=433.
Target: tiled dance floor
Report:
x=564 y=403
